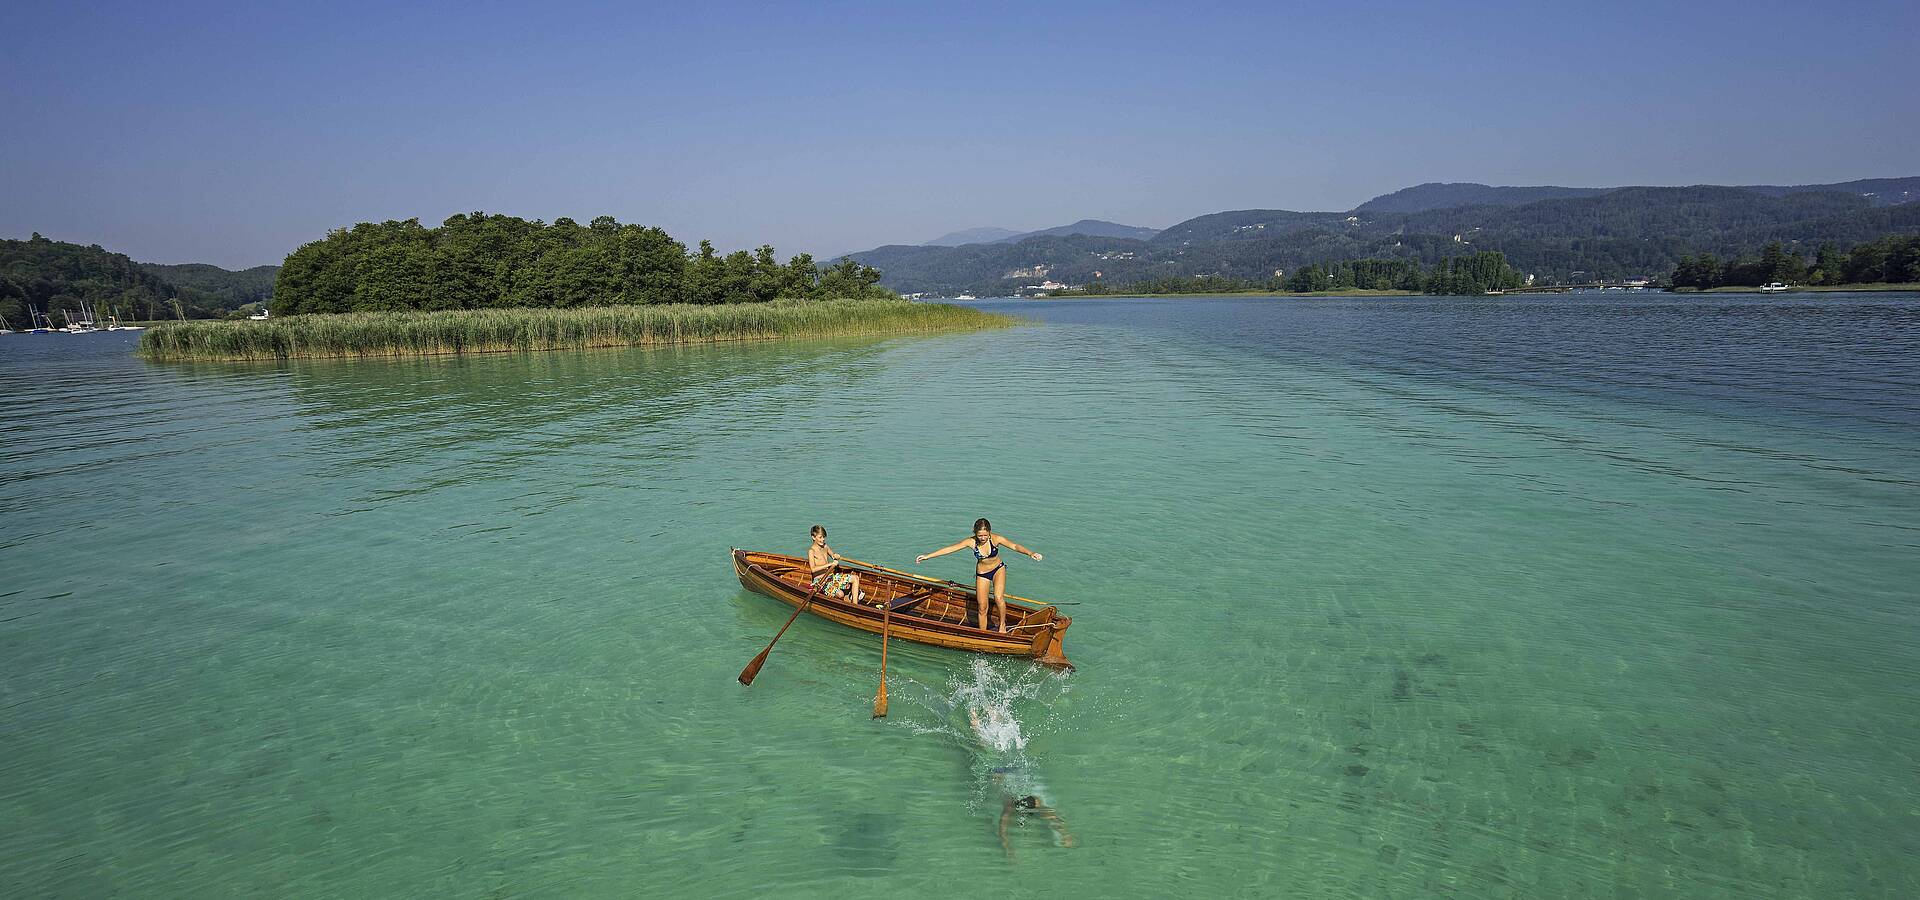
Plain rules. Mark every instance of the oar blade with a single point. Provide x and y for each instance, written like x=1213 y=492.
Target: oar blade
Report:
x=752 y=670
x=880 y=702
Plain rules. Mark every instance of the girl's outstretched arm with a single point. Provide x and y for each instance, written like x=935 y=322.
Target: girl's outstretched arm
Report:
x=941 y=552
x=1010 y=545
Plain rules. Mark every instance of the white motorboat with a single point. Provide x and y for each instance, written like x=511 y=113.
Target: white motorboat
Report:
x=1774 y=288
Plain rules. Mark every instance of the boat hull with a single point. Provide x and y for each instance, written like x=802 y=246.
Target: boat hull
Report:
x=936 y=615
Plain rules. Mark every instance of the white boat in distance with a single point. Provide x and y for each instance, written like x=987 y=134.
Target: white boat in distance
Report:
x=1774 y=288
x=83 y=325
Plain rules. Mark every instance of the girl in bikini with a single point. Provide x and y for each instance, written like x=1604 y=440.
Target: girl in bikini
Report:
x=989 y=571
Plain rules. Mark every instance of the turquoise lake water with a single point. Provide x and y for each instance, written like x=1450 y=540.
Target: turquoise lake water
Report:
x=1575 y=596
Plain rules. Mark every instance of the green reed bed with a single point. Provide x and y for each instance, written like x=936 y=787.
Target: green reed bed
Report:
x=418 y=333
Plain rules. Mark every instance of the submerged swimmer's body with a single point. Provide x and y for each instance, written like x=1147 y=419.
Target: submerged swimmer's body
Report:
x=1018 y=789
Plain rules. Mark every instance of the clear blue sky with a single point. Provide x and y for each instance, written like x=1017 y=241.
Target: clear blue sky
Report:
x=233 y=133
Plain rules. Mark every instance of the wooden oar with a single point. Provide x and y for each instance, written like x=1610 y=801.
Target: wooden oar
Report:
x=880 y=699
x=968 y=589
x=920 y=578
x=753 y=668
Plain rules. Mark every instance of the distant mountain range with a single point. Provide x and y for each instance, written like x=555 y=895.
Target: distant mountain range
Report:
x=1420 y=198
x=973 y=236
x=1090 y=227
x=1556 y=233
x=1433 y=195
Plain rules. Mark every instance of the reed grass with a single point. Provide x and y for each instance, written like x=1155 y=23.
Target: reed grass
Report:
x=420 y=333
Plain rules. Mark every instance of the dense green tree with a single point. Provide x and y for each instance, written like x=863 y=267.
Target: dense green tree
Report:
x=1827 y=265
x=1894 y=258
x=847 y=278
x=649 y=263
x=393 y=274
x=1484 y=271
x=1902 y=264
x=1776 y=264
x=801 y=278
x=1313 y=277
x=705 y=276
x=477 y=260
x=736 y=277
x=768 y=276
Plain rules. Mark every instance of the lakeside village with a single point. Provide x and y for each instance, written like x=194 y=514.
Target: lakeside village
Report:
x=1047 y=287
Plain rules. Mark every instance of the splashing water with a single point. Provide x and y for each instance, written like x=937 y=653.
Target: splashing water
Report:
x=996 y=727
x=980 y=711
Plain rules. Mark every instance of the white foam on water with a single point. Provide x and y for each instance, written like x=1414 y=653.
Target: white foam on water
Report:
x=980 y=711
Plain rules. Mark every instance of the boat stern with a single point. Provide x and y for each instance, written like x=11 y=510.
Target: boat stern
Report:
x=1049 y=639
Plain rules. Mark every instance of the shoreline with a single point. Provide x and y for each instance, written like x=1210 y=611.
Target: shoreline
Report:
x=1352 y=293
x=1873 y=288
x=409 y=333
x=1540 y=291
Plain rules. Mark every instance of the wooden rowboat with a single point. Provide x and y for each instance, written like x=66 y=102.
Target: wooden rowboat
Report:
x=924 y=610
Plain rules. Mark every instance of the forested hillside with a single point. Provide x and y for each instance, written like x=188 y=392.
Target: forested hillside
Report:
x=1601 y=234
x=227 y=288
x=1090 y=228
x=1877 y=191
x=1434 y=195
x=56 y=277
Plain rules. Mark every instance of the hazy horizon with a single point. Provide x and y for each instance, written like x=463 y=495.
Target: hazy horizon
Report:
x=231 y=135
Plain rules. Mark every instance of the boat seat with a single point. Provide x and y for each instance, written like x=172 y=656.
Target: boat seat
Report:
x=903 y=602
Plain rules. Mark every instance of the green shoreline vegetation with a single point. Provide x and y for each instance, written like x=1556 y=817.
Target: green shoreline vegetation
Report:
x=439 y=332
x=482 y=261
x=1472 y=274
x=484 y=283
x=1350 y=292
x=1871 y=288
x=1892 y=260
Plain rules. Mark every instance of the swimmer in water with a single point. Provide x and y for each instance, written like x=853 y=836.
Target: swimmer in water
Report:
x=1001 y=733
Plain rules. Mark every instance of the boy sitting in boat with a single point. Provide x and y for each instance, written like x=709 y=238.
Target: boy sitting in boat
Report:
x=821 y=566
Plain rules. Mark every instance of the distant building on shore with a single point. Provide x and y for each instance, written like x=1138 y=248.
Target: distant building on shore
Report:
x=1047 y=287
